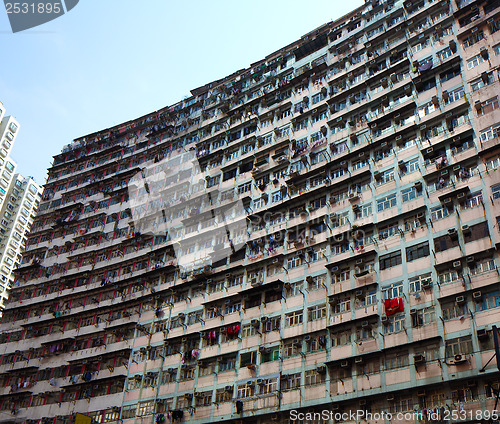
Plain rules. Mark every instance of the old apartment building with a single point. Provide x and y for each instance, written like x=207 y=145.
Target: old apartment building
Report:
x=365 y=161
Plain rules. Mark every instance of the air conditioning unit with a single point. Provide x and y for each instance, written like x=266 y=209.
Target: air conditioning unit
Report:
x=332 y=301
x=470 y=259
x=457 y=264
x=359 y=262
x=477 y=296
x=459 y=358
x=413 y=312
x=460 y=300
x=334 y=269
x=263 y=349
x=359 y=294
x=228 y=388
x=482 y=334
x=297 y=342
x=452 y=231
x=260 y=381
x=390 y=397
x=344 y=364
x=427 y=284
x=307 y=338
x=418 y=359
x=321 y=369
x=255 y=323
x=465 y=229
x=384 y=320
x=358 y=360
x=421 y=216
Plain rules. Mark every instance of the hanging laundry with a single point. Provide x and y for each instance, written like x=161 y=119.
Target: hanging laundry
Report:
x=393 y=306
x=239 y=406
x=177 y=415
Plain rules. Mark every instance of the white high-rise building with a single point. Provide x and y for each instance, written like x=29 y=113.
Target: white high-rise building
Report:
x=19 y=199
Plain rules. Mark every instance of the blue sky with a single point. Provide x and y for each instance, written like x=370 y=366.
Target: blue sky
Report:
x=106 y=62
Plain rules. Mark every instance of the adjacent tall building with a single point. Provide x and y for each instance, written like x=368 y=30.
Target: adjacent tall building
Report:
x=364 y=162
x=19 y=199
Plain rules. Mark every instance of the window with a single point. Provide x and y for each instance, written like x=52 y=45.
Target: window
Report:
x=475 y=61
x=415 y=283
x=460 y=345
x=390 y=260
x=316 y=342
x=291 y=382
x=248 y=331
x=439 y=212
x=293 y=318
x=313 y=377
x=395 y=324
x=341 y=306
x=480 y=83
x=291 y=348
x=316 y=312
x=145 y=408
x=445 y=54
x=476 y=232
x=490 y=300
x=364 y=211
x=393 y=291
x=488 y=106
x=473 y=39
x=455 y=95
x=453 y=310
x=448 y=276
x=484 y=265
x=473 y=200
x=426 y=109
x=222 y=395
x=364 y=333
x=342 y=338
x=388 y=230
x=386 y=203
x=249 y=358
x=410 y=194
x=269 y=385
x=227 y=364
x=423 y=317
x=490 y=133
x=416 y=252
x=315 y=283
x=395 y=361
x=269 y=355
x=246 y=390
x=294 y=289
